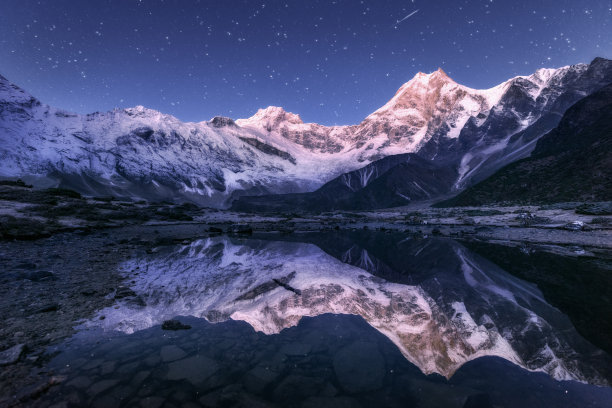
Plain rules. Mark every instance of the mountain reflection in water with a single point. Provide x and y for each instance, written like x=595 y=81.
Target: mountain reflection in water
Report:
x=439 y=303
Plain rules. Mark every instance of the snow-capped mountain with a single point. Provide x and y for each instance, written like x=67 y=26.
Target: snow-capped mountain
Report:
x=143 y=153
x=529 y=107
x=404 y=124
x=570 y=163
x=458 y=312
x=140 y=152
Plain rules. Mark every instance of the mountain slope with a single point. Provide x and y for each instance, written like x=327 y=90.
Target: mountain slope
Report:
x=570 y=163
x=524 y=109
x=389 y=182
x=529 y=108
x=142 y=153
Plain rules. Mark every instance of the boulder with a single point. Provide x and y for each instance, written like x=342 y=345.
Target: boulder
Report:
x=174 y=325
x=39 y=276
x=574 y=226
x=11 y=355
x=359 y=367
x=240 y=229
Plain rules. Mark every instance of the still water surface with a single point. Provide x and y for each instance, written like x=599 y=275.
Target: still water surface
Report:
x=330 y=319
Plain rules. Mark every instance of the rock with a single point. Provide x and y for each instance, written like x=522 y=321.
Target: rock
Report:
x=11 y=355
x=107 y=367
x=285 y=285
x=39 y=276
x=137 y=301
x=524 y=216
x=91 y=364
x=26 y=265
x=574 y=226
x=577 y=250
x=152 y=360
x=194 y=369
x=604 y=208
x=139 y=378
x=101 y=386
x=297 y=387
x=171 y=353
x=222 y=121
x=80 y=382
x=253 y=293
x=123 y=292
x=258 y=379
x=232 y=396
x=52 y=307
x=152 y=402
x=35 y=391
x=240 y=229
x=105 y=401
x=174 y=325
x=528 y=219
x=359 y=367
x=483 y=229
x=467 y=221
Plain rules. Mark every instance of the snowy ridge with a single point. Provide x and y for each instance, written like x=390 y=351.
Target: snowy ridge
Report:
x=140 y=152
x=431 y=100
x=145 y=148
x=528 y=108
x=484 y=313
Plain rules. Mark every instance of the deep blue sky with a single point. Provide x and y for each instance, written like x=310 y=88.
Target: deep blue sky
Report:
x=329 y=61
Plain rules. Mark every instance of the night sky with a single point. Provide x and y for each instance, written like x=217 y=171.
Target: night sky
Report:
x=332 y=62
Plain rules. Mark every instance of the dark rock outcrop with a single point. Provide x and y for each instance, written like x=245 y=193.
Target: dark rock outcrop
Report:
x=266 y=148
x=570 y=163
x=389 y=182
x=222 y=121
x=174 y=325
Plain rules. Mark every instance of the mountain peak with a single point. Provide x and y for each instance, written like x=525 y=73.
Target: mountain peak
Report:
x=438 y=74
x=599 y=60
x=271 y=111
x=140 y=110
x=272 y=116
x=13 y=93
x=421 y=84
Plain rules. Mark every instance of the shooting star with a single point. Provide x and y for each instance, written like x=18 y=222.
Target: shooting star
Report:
x=407 y=17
